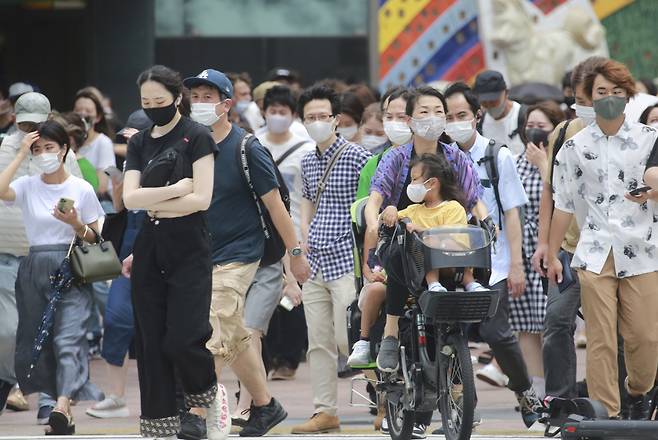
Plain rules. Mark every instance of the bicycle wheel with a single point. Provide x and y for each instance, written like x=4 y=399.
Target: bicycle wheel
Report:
x=400 y=421
x=457 y=389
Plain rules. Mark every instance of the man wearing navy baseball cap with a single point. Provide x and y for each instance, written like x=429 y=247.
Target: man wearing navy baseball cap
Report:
x=238 y=243
x=501 y=121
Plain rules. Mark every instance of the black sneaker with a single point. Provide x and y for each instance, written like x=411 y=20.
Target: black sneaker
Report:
x=192 y=426
x=639 y=407
x=264 y=418
x=387 y=359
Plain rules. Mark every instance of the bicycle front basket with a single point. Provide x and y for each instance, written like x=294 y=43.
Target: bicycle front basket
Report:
x=468 y=307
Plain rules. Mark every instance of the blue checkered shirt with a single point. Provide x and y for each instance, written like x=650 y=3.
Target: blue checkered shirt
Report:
x=329 y=238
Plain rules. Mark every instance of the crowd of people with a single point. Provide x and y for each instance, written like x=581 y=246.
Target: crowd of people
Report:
x=240 y=254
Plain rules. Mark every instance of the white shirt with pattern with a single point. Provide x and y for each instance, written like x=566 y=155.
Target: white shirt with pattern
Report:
x=593 y=172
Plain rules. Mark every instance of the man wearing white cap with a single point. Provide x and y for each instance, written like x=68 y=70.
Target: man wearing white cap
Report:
x=31 y=109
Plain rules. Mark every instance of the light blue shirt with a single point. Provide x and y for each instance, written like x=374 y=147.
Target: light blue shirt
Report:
x=512 y=195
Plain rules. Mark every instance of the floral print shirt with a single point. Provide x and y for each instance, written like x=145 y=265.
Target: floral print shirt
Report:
x=593 y=172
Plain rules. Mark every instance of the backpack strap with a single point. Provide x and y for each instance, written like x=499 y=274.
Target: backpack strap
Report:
x=490 y=162
x=243 y=163
x=322 y=184
x=288 y=152
x=559 y=141
x=520 y=120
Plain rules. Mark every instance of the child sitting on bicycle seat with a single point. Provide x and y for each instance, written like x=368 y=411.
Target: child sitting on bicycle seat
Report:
x=434 y=190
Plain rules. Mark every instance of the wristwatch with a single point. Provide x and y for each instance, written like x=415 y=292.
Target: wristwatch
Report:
x=295 y=252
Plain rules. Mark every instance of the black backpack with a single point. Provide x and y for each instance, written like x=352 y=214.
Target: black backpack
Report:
x=275 y=248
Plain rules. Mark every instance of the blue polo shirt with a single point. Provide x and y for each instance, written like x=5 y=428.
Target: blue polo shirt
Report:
x=235 y=228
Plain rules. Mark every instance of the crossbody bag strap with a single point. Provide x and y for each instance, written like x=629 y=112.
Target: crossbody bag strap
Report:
x=322 y=184
x=244 y=163
x=288 y=152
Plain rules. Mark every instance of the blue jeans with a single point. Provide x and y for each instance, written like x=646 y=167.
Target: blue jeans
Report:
x=119 y=325
x=8 y=316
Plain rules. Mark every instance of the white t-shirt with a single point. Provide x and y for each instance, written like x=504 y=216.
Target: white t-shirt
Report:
x=500 y=130
x=512 y=195
x=37 y=200
x=291 y=170
x=100 y=152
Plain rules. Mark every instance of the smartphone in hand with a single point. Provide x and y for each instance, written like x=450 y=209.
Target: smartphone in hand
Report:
x=65 y=205
x=114 y=173
x=636 y=192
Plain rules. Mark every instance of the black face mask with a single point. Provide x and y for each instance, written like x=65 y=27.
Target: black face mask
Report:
x=537 y=136
x=569 y=100
x=161 y=116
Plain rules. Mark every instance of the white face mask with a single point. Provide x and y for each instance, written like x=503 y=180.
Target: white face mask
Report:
x=278 y=124
x=460 y=131
x=398 y=132
x=654 y=125
x=48 y=162
x=242 y=106
x=348 y=132
x=320 y=131
x=204 y=113
x=429 y=128
x=416 y=191
x=585 y=113
x=370 y=141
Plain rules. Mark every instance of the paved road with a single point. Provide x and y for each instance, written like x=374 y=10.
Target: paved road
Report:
x=317 y=437
x=496 y=406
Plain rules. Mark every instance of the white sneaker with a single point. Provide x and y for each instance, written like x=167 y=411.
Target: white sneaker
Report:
x=493 y=376
x=360 y=354
x=475 y=287
x=109 y=408
x=384 y=429
x=218 y=418
x=436 y=287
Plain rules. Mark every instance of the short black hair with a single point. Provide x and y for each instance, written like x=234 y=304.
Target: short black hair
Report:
x=101 y=126
x=167 y=77
x=423 y=91
x=399 y=92
x=644 y=117
x=467 y=92
x=55 y=132
x=351 y=105
x=319 y=92
x=281 y=95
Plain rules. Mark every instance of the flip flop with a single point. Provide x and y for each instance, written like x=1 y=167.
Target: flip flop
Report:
x=60 y=423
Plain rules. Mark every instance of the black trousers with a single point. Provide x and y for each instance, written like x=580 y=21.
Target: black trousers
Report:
x=286 y=339
x=171 y=289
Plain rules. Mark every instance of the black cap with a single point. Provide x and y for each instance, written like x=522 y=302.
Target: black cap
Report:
x=280 y=73
x=488 y=85
x=138 y=120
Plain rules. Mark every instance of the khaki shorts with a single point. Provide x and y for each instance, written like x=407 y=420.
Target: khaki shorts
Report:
x=230 y=283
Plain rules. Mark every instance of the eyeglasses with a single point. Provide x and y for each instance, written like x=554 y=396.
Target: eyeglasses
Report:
x=323 y=117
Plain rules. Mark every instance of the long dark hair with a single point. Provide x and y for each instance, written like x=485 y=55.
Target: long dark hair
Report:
x=101 y=126
x=438 y=167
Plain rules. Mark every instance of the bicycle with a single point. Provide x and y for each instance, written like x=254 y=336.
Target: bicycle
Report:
x=435 y=362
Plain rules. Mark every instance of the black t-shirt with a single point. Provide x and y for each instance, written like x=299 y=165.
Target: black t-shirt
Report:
x=653 y=157
x=142 y=147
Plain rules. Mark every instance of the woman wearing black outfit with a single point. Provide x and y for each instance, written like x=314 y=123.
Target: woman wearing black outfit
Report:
x=171 y=269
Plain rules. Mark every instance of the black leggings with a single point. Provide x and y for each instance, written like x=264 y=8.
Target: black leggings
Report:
x=171 y=289
x=396 y=292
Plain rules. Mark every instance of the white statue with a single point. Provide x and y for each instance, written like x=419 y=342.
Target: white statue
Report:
x=541 y=55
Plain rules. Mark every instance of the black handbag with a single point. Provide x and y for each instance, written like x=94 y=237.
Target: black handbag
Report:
x=114 y=227
x=168 y=167
x=92 y=262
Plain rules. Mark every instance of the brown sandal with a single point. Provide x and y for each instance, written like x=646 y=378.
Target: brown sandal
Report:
x=60 y=423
